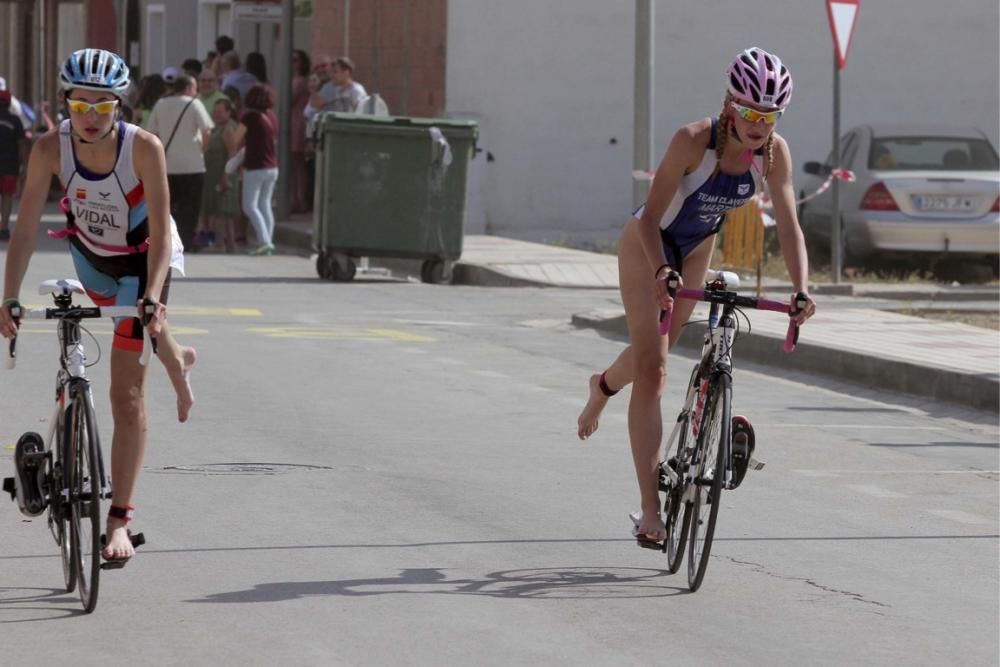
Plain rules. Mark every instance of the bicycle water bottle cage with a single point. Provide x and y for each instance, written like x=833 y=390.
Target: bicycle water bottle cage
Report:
x=722 y=279
x=62 y=290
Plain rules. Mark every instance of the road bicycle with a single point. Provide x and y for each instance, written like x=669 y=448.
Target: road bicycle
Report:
x=65 y=472
x=702 y=457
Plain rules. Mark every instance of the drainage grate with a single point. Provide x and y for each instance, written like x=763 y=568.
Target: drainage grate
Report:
x=242 y=468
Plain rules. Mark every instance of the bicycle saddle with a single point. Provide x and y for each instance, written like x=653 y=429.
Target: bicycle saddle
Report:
x=63 y=286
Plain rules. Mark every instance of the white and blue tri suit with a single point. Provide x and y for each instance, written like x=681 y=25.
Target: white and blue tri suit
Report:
x=108 y=230
x=699 y=206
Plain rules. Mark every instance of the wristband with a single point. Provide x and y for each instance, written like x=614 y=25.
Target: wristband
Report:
x=656 y=274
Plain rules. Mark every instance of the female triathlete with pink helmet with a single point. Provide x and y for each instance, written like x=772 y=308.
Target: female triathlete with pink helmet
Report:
x=122 y=242
x=711 y=166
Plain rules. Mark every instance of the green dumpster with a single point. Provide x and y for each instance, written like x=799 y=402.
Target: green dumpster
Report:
x=390 y=186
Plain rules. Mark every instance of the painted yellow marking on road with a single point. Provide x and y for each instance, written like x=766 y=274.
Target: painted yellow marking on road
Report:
x=392 y=335
x=10 y=447
x=203 y=311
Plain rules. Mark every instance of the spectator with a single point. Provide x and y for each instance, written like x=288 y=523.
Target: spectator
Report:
x=182 y=124
x=151 y=88
x=192 y=67
x=20 y=109
x=220 y=202
x=13 y=155
x=341 y=92
x=234 y=74
x=208 y=89
x=170 y=74
x=300 y=98
x=258 y=133
x=224 y=44
x=257 y=66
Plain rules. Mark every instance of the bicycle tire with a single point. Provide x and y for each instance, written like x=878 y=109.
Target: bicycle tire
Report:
x=677 y=529
x=85 y=499
x=58 y=513
x=714 y=434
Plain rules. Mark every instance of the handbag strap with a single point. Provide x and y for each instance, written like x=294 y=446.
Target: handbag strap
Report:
x=176 y=125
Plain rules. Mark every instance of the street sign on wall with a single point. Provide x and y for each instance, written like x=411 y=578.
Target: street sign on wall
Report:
x=842 y=14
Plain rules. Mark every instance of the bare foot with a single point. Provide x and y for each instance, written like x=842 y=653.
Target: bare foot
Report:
x=119 y=545
x=587 y=422
x=649 y=525
x=182 y=384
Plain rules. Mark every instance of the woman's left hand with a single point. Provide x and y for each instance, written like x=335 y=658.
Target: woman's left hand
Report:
x=804 y=314
x=159 y=316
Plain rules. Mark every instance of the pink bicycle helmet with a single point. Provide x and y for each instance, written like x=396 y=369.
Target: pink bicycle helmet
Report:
x=759 y=77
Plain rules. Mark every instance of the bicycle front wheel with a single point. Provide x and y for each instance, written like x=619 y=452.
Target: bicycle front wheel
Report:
x=709 y=477
x=85 y=497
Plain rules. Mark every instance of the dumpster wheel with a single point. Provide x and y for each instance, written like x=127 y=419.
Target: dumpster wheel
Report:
x=329 y=268
x=435 y=271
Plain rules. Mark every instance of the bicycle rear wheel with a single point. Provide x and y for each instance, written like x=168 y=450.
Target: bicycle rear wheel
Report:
x=709 y=478
x=85 y=497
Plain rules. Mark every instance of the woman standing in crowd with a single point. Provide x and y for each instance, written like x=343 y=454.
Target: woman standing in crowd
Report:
x=301 y=68
x=258 y=133
x=220 y=202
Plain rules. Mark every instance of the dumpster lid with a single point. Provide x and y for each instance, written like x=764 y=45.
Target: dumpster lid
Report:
x=396 y=121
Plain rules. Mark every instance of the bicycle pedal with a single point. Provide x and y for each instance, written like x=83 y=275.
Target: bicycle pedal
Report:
x=754 y=464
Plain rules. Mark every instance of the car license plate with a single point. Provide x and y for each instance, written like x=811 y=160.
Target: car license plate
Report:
x=956 y=203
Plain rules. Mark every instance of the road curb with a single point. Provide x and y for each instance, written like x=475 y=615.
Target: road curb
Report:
x=942 y=384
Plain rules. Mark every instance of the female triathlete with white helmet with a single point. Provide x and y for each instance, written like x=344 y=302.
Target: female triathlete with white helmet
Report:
x=711 y=166
x=122 y=244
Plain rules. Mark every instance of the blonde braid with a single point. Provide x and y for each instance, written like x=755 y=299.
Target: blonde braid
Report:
x=769 y=152
x=722 y=132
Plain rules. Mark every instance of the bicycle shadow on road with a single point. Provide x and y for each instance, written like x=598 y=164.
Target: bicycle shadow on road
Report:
x=559 y=583
x=29 y=599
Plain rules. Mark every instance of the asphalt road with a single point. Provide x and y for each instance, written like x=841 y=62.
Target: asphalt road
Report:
x=388 y=472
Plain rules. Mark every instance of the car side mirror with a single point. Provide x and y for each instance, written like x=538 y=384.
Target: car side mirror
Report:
x=814 y=168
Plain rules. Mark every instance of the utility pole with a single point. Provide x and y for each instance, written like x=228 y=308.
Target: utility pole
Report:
x=642 y=139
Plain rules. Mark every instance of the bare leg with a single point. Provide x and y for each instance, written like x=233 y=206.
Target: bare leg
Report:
x=6 y=205
x=178 y=360
x=620 y=373
x=128 y=443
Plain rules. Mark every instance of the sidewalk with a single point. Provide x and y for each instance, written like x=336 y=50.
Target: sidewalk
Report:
x=854 y=335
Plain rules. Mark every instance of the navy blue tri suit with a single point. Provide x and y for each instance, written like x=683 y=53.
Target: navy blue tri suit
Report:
x=699 y=206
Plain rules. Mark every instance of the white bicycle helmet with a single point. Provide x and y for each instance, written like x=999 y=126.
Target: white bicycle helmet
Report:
x=95 y=69
x=760 y=77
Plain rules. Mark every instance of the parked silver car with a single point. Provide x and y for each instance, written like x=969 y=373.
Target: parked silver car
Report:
x=925 y=193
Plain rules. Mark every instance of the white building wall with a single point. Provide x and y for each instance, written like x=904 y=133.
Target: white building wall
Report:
x=551 y=83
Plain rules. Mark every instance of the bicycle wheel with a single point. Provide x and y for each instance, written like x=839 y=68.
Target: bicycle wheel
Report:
x=677 y=527
x=709 y=477
x=85 y=497
x=58 y=517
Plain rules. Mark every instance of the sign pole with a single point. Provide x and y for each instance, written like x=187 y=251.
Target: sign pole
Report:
x=836 y=242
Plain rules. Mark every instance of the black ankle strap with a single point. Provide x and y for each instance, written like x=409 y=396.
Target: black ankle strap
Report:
x=126 y=513
x=605 y=389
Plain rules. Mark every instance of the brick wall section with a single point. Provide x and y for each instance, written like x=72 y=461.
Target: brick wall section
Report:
x=398 y=49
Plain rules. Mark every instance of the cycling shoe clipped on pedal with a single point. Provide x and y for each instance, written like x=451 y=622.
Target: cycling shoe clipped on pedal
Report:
x=743 y=446
x=28 y=487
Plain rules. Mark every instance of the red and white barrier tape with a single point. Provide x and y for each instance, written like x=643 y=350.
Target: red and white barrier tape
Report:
x=765 y=201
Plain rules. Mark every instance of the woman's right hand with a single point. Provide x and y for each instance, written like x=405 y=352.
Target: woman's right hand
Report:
x=663 y=298
x=8 y=327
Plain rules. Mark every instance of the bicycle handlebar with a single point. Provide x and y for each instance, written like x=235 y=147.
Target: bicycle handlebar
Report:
x=76 y=313
x=727 y=297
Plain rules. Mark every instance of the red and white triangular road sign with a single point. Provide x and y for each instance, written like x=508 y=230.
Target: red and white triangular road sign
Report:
x=843 y=14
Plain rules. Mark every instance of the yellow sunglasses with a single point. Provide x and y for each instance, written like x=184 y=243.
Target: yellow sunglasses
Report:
x=81 y=107
x=752 y=115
